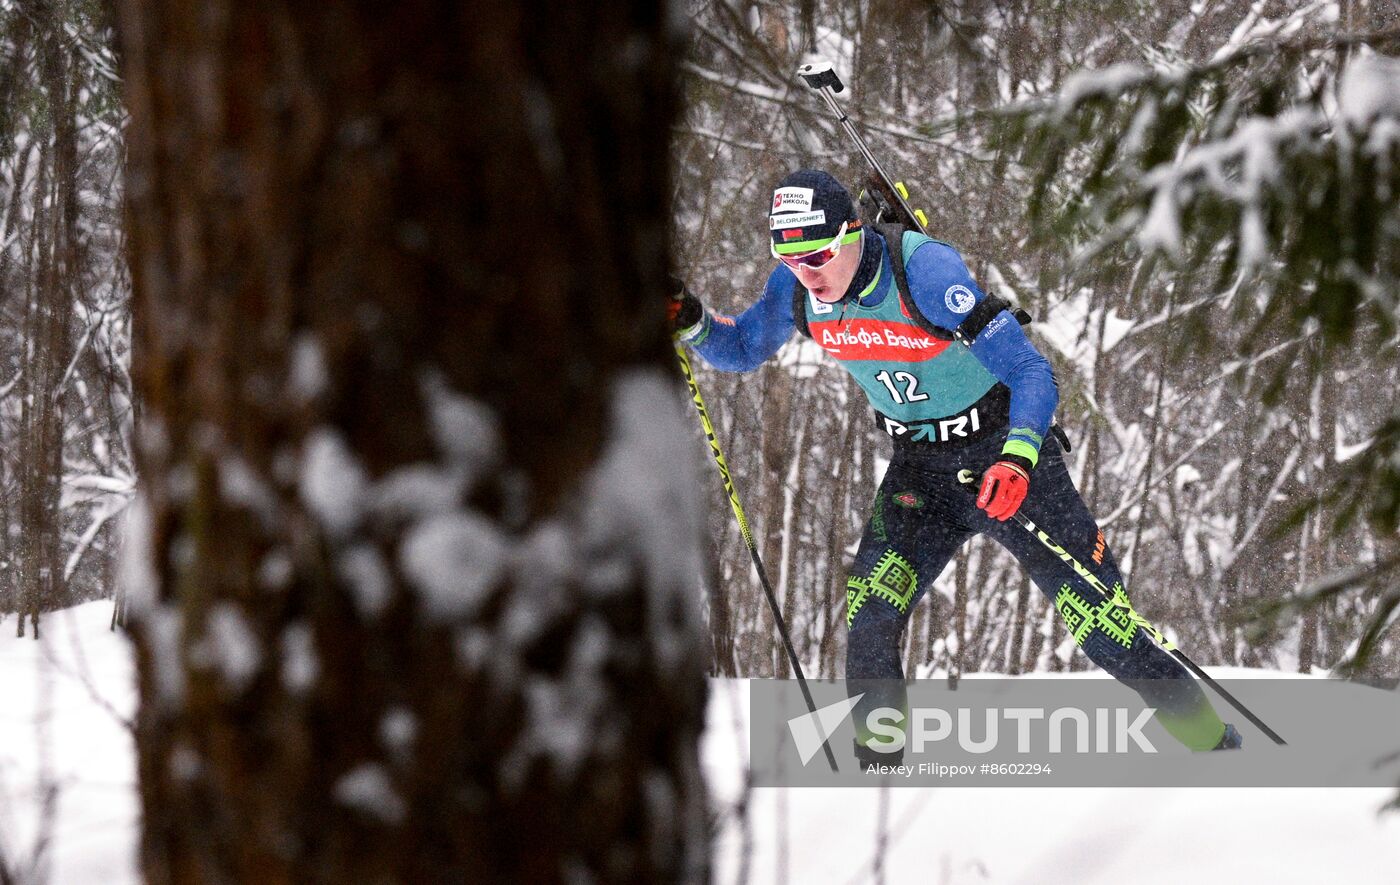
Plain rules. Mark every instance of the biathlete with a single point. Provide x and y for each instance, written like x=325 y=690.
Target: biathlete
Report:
x=947 y=406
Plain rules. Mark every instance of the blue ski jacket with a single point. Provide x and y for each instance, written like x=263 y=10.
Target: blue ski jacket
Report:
x=926 y=392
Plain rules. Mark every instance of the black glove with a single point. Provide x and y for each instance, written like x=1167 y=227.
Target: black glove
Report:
x=685 y=308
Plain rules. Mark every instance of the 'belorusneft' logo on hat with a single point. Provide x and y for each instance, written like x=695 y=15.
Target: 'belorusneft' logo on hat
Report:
x=792 y=199
x=782 y=222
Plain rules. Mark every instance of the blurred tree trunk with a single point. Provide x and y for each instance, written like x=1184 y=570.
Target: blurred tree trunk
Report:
x=60 y=134
x=1017 y=642
x=833 y=603
x=56 y=259
x=415 y=608
x=721 y=621
x=58 y=284
x=26 y=579
x=775 y=448
x=13 y=281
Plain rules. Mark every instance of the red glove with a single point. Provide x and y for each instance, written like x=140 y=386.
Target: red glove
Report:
x=685 y=309
x=1004 y=487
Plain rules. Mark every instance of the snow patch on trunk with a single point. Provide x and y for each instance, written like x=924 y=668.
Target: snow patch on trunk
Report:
x=636 y=526
x=164 y=627
x=639 y=509
x=367 y=789
x=229 y=647
x=333 y=482
x=363 y=569
x=453 y=559
x=300 y=665
x=136 y=562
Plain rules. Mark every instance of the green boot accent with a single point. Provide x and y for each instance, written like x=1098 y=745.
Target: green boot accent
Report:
x=1200 y=729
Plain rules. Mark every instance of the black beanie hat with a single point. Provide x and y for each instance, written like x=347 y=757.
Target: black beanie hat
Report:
x=808 y=209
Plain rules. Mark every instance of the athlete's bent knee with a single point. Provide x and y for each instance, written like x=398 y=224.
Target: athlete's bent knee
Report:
x=892 y=581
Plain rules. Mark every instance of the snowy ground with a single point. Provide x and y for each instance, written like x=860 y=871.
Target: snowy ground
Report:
x=1040 y=836
x=70 y=691
x=63 y=735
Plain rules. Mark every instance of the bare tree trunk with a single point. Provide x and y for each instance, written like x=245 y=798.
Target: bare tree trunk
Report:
x=775 y=452
x=721 y=620
x=419 y=609
x=65 y=264
x=842 y=494
x=53 y=258
x=955 y=665
x=789 y=519
x=915 y=638
x=1016 y=643
x=31 y=396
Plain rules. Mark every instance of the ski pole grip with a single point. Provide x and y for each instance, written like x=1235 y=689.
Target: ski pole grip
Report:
x=820 y=73
x=968 y=479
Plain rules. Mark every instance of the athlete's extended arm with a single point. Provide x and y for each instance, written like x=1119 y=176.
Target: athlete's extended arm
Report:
x=742 y=343
x=939 y=281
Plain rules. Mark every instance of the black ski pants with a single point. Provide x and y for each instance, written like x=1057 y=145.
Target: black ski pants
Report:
x=922 y=515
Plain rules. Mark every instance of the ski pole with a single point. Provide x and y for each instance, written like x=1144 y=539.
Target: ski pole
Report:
x=1120 y=599
x=891 y=198
x=733 y=495
x=822 y=78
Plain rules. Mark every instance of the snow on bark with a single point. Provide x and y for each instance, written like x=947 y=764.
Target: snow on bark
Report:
x=466 y=432
x=398 y=729
x=1369 y=90
x=300 y=665
x=371 y=585
x=568 y=716
x=453 y=560
x=415 y=491
x=333 y=482
x=136 y=567
x=164 y=628
x=276 y=570
x=241 y=487
x=368 y=790
x=185 y=763
x=308 y=376
x=451 y=556
x=638 y=503
x=634 y=524
x=544 y=132
x=229 y=647
x=473 y=648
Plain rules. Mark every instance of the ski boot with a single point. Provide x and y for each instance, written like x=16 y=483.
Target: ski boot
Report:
x=1230 y=740
x=870 y=759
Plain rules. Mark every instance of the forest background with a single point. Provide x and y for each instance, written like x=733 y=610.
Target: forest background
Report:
x=1205 y=398
x=1194 y=199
